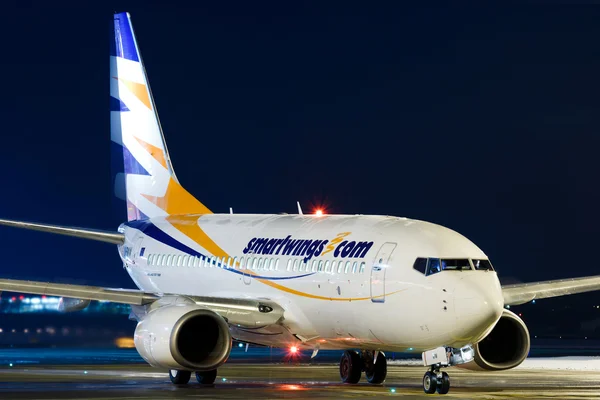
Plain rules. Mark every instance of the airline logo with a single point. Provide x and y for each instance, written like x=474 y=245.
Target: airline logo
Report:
x=309 y=248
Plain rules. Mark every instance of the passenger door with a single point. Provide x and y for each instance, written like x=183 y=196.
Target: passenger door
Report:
x=380 y=265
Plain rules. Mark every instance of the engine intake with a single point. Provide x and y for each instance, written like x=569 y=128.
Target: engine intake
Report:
x=506 y=346
x=183 y=337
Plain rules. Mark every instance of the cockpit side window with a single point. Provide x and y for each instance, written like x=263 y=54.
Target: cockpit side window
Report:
x=483 y=265
x=421 y=265
x=433 y=267
x=456 y=264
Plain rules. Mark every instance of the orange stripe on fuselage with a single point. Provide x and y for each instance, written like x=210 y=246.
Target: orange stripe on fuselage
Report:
x=188 y=225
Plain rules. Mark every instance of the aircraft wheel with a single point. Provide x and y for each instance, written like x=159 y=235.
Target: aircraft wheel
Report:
x=179 y=377
x=350 y=367
x=429 y=382
x=378 y=371
x=206 y=377
x=443 y=386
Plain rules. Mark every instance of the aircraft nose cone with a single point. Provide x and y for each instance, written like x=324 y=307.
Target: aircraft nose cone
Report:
x=478 y=304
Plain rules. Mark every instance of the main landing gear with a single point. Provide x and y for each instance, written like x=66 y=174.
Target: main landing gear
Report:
x=373 y=363
x=179 y=377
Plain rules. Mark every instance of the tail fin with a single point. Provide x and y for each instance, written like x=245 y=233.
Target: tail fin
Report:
x=150 y=186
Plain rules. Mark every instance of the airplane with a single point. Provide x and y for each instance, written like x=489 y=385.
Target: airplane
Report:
x=363 y=284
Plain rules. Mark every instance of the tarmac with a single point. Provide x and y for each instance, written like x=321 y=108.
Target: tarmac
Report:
x=290 y=381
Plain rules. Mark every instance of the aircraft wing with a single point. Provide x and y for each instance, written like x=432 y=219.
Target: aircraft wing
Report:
x=84 y=233
x=125 y=296
x=239 y=311
x=525 y=292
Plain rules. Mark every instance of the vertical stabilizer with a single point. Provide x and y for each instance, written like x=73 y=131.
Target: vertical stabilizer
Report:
x=147 y=182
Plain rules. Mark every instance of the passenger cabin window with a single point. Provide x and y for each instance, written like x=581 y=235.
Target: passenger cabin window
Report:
x=362 y=267
x=482 y=265
x=420 y=265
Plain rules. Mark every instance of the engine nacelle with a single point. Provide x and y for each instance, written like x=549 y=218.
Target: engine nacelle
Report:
x=185 y=337
x=505 y=347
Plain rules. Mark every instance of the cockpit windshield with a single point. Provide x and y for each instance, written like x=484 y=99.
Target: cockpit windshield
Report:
x=436 y=265
x=483 y=265
x=430 y=266
x=457 y=264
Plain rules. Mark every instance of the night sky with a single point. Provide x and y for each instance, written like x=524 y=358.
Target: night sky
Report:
x=485 y=120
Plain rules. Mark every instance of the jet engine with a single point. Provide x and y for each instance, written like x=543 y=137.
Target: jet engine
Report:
x=184 y=337
x=505 y=347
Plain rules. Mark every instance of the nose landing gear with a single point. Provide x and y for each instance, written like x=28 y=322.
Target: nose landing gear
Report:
x=435 y=380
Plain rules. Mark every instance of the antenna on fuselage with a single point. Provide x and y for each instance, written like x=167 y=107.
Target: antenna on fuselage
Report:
x=299 y=208
x=230 y=210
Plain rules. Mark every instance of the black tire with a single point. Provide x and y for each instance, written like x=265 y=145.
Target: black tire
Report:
x=429 y=382
x=378 y=372
x=350 y=367
x=179 y=377
x=443 y=386
x=206 y=377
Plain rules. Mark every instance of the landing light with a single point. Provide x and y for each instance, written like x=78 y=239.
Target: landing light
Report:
x=241 y=345
x=393 y=390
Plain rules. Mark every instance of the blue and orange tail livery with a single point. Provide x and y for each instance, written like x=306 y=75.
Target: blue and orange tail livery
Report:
x=151 y=188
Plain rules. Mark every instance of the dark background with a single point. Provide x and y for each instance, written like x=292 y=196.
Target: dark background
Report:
x=481 y=117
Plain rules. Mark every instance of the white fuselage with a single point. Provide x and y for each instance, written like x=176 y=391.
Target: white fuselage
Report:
x=353 y=286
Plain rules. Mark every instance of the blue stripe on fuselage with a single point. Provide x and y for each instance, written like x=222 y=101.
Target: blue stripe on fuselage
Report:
x=148 y=228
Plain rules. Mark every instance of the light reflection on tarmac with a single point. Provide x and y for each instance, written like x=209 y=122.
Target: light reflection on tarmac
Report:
x=283 y=380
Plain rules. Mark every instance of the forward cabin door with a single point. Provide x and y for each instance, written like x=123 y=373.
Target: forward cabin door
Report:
x=380 y=265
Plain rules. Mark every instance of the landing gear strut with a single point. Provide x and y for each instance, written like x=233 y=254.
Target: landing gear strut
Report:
x=372 y=362
x=436 y=380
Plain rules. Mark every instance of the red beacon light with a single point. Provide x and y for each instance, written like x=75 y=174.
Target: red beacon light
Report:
x=293 y=349
x=319 y=212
